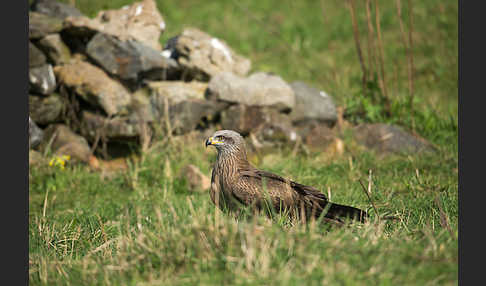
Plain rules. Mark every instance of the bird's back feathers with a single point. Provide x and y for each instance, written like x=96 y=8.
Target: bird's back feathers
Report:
x=293 y=194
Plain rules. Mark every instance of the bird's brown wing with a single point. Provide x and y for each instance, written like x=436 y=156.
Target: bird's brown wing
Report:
x=282 y=192
x=308 y=200
x=278 y=181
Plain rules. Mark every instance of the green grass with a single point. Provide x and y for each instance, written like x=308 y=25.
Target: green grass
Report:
x=143 y=227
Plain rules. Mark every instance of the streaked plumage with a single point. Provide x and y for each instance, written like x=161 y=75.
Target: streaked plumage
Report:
x=235 y=183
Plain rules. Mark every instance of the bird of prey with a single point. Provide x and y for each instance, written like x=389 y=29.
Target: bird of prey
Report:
x=235 y=183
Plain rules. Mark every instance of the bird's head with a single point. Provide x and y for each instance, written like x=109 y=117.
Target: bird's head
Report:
x=226 y=141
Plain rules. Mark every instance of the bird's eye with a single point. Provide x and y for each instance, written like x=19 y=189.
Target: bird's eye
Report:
x=219 y=138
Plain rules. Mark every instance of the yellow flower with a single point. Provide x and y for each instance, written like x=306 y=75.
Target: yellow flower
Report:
x=59 y=161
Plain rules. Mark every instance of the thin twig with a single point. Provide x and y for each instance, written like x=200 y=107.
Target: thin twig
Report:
x=407 y=47
x=402 y=30
x=410 y=57
x=371 y=41
x=96 y=141
x=381 y=59
x=403 y=36
x=371 y=201
x=357 y=41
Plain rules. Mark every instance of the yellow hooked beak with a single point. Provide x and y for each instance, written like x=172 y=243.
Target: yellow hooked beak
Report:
x=211 y=141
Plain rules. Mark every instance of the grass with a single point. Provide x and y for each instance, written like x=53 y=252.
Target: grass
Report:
x=143 y=227
x=90 y=231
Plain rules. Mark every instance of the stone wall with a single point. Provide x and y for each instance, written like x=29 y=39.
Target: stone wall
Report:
x=94 y=81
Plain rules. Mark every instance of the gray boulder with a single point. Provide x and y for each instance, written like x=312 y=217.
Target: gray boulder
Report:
x=54 y=8
x=147 y=106
x=187 y=115
x=266 y=126
x=141 y=108
x=316 y=136
x=55 y=49
x=386 y=138
x=187 y=105
x=35 y=134
x=125 y=59
x=118 y=127
x=36 y=56
x=140 y=21
x=259 y=89
x=245 y=119
x=45 y=110
x=41 y=25
x=203 y=56
x=60 y=140
x=94 y=86
x=312 y=104
x=42 y=79
x=276 y=133
x=195 y=179
x=178 y=91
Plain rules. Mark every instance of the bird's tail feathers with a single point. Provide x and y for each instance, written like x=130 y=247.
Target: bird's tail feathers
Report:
x=337 y=211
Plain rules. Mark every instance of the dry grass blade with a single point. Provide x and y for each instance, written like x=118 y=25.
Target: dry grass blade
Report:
x=369 y=181
x=168 y=124
x=145 y=135
x=45 y=204
x=444 y=222
x=102 y=228
x=297 y=144
x=101 y=247
x=49 y=143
